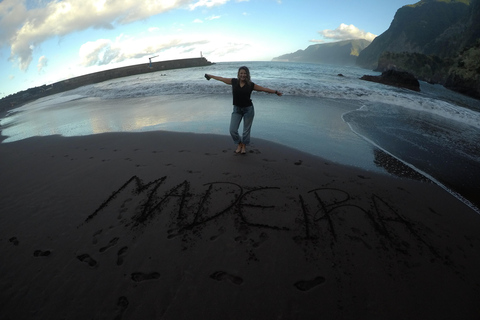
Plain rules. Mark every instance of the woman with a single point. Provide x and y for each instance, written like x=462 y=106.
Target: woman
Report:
x=242 y=88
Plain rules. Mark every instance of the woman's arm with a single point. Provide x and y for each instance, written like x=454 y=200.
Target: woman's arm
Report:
x=259 y=88
x=224 y=80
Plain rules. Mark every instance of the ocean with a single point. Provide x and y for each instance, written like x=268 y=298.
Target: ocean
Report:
x=326 y=110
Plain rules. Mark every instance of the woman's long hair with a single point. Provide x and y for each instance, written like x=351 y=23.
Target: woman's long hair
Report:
x=248 y=80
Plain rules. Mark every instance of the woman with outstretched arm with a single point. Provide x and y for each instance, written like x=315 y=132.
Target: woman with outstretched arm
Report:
x=242 y=88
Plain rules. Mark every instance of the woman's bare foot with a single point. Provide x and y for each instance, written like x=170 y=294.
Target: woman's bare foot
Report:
x=243 y=149
x=239 y=148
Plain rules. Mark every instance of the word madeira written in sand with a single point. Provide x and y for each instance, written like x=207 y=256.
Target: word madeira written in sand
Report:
x=322 y=215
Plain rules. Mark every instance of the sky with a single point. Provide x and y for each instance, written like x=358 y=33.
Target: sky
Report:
x=45 y=41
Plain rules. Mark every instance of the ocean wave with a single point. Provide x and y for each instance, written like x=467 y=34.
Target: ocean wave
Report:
x=322 y=82
x=49 y=101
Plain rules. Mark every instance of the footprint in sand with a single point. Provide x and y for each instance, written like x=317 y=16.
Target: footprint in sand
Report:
x=309 y=284
x=140 y=276
x=263 y=237
x=173 y=233
x=223 y=276
x=241 y=239
x=254 y=243
x=122 y=304
x=40 y=253
x=14 y=240
x=87 y=259
x=109 y=245
x=220 y=232
x=121 y=253
x=95 y=240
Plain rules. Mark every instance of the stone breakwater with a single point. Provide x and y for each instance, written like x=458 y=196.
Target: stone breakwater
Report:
x=22 y=97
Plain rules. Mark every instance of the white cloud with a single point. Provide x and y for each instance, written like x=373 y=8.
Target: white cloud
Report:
x=12 y=16
x=212 y=18
x=197 y=21
x=347 y=32
x=92 y=52
x=42 y=63
x=207 y=3
x=24 y=29
x=126 y=48
x=153 y=29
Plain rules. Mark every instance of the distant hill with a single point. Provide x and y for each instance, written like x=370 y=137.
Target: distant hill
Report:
x=436 y=40
x=342 y=53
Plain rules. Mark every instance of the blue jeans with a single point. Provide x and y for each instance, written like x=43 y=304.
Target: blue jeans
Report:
x=239 y=113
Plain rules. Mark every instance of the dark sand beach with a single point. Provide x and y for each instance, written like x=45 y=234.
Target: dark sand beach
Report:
x=162 y=225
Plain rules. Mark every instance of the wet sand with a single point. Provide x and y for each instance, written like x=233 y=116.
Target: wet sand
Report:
x=161 y=225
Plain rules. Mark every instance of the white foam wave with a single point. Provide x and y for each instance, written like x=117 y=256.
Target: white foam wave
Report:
x=375 y=94
x=321 y=82
x=49 y=101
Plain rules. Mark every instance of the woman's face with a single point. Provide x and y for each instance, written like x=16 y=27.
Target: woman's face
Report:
x=242 y=75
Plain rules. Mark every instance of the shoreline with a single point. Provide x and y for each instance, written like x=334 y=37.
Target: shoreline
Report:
x=471 y=203
x=102 y=226
x=382 y=160
x=393 y=166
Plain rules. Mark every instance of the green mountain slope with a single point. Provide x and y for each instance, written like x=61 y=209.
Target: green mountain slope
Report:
x=342 y=52
x=428 y=27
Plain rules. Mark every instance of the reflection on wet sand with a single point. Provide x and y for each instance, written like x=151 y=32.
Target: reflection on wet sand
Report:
x=87 y=116
x=306 y=126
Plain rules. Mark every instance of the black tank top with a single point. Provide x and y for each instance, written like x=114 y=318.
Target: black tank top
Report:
x=241 y=95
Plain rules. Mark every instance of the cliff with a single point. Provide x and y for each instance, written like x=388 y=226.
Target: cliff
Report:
x=430 y=27
x=342 y=53
x=435 y=40
x=464 y=75
x=31 y=94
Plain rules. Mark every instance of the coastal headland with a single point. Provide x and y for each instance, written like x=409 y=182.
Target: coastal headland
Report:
x=22 y=97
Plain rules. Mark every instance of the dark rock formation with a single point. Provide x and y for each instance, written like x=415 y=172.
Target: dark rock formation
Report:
x=464 y=75
x=467 y=86
x=461 y=74
x=429 y=68
x=395 y=78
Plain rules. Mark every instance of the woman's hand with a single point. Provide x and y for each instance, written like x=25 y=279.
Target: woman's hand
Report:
x=224 y=80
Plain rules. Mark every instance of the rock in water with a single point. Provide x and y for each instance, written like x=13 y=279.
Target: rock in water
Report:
x=401 y=79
